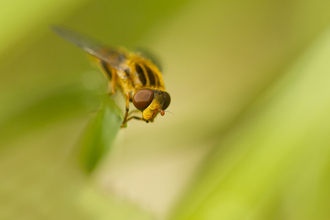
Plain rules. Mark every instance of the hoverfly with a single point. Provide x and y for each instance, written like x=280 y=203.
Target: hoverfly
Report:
x=137 y=77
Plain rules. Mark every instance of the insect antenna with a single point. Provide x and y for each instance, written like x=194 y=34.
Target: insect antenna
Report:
x=169 y=112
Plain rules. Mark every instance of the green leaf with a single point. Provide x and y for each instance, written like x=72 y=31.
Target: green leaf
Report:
x=275 y=163
x=44 y=110
x=100 y=134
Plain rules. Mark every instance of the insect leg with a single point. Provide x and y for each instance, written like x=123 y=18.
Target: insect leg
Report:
x=113 y=82
x=137 y=118
x=133 y=111
x=128 y=97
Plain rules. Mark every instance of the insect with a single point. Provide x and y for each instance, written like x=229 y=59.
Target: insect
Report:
x=137 y=77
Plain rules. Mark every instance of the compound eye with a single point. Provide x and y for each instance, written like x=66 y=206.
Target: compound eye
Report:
x=167 y=100
x=143 y=98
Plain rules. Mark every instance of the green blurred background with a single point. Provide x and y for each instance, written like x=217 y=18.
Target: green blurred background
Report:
x=249 y=137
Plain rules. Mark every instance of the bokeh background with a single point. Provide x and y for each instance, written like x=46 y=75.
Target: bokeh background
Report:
x=248 y=137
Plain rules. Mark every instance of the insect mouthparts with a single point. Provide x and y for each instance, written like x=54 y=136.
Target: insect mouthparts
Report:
x=129 y=72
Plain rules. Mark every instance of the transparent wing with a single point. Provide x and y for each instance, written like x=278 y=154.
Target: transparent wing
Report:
x=91 y=46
